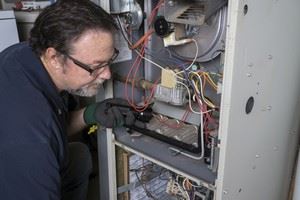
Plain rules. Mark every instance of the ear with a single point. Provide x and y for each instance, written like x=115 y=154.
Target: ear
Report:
x=53 y=59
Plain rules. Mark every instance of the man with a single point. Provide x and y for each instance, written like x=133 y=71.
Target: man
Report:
x=70 y=49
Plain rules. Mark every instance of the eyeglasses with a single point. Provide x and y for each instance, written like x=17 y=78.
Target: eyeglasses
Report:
x=92 y=69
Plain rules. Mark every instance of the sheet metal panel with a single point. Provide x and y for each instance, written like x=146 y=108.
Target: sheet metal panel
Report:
x=262 y=61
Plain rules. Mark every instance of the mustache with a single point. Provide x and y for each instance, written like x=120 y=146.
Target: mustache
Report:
x=98 y=81
x=88 y=90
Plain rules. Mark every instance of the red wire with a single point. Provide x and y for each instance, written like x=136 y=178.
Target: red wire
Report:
x=176 y=126
x=127 y=79
x=154 y=12
x=137 y=108
x=134 y=75
x=135 y=68
x=136 y=62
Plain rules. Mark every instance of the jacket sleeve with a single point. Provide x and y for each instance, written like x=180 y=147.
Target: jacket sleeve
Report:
x=29 y=172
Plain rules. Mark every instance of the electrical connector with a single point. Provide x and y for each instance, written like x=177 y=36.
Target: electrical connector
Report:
x=170 y=40
x=173 y=188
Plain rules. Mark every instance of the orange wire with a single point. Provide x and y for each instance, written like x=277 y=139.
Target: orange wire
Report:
x=176 y=126
x=135 y=68
x=154 y=11
x=142 y=39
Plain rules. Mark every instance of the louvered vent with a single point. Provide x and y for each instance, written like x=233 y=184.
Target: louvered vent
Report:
x=186 y=13
x=194 y=12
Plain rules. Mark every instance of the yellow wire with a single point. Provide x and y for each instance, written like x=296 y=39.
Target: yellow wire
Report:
x=201 y=91
x=211 y=80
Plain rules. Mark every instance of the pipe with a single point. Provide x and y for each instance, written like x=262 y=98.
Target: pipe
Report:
x=141 y=83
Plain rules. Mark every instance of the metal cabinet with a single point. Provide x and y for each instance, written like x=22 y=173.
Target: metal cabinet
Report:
x=9 y=32
x=259 y=110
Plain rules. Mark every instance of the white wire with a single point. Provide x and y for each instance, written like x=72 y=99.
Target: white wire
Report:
x=201 y=89
x=214 y=73
x=187 y=195
x=162 y=68
x=196 y=186
x=196 y=87
x=149 y=60
x=184 y=188
x=155 y=64
x=123 y=31
x=190 y=101
x=182 y=191
x=190 y=104
x=183 y=183
x=200 y=80
x=201 y=92
x=202 y=143
x=194 y=60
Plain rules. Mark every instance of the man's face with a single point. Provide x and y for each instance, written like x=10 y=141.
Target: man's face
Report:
x=93 y=49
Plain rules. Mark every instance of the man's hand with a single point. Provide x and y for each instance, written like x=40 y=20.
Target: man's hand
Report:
x=110 y=113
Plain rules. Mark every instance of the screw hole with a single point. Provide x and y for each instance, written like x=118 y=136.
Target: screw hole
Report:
x=249 y=105
x=245 y=9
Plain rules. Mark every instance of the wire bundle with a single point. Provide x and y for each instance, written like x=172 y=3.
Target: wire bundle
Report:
x=193 y=81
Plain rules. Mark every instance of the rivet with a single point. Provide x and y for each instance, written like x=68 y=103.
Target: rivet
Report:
x=292 y=132
x=171 y=3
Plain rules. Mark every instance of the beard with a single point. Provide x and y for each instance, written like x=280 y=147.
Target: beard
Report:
x=88 y=90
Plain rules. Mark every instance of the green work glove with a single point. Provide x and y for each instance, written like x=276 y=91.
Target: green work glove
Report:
x=114 y=112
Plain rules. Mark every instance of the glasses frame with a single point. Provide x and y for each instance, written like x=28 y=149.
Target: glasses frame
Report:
x=92 y=69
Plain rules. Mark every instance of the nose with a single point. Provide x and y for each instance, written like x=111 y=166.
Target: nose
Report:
x=105 y=73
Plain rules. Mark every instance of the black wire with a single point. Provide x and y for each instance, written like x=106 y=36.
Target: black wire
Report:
x=122 y=31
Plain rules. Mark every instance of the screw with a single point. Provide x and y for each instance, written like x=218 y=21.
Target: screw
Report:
x=292 y=132
x=270 y=57
x=171 y=3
